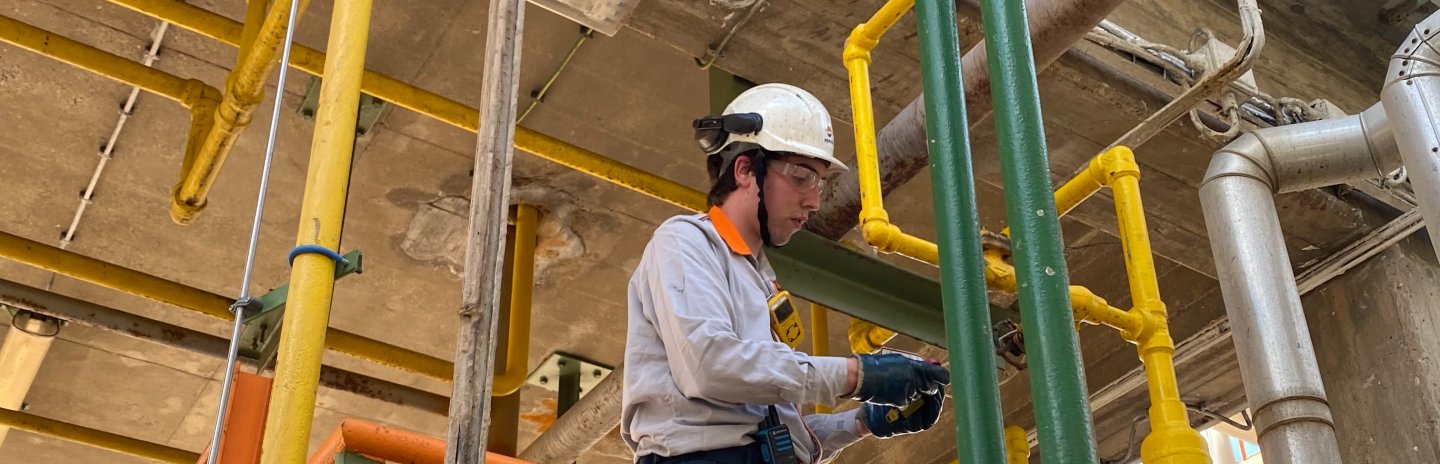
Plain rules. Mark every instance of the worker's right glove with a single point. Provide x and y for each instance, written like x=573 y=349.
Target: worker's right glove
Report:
x=918 y=416
x=896 y=380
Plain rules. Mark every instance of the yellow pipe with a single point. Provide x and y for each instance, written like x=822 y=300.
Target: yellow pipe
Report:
x=70 y=264
x=522 y=286
x=866 y=337
x=244 y=91
x=322 y=213
x=874 y=221
x=201 y=99
x=1017 y=446
x=1171 y=439
x=97 y=438
x=428 y=103
x=820 y=341
x=100 y=62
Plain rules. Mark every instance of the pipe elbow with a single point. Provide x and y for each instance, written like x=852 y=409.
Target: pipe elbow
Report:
x=858 y=45
x=1112 y=164
x=1246 y=156
x=880 y=233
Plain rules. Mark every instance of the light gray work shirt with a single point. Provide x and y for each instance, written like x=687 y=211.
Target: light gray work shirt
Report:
x=701 y=363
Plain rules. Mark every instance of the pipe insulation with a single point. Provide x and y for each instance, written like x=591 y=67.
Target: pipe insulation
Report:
x=1412 y=100
x=1272 y=341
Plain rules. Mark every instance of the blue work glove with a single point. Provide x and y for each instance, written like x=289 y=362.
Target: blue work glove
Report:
x=895 y=380
x=888 y=421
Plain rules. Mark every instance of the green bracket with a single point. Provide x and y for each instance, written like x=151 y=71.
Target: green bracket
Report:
x=551 y=375
x=366 y=115
x=351 y=457
x=260 y=332
x=862 y=286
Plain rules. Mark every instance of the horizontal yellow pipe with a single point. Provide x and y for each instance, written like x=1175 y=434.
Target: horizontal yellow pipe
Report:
x=97 y=438
x=147 y=286
x=244 y=91
x=183 y=91
x=522 y=286
x=428 y=103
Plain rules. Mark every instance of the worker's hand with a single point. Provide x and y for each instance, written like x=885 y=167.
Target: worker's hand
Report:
x=918 y=416
x=896 y=380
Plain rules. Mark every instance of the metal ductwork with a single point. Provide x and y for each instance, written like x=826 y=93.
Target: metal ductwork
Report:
x=1272 y=341
x=1412 y=100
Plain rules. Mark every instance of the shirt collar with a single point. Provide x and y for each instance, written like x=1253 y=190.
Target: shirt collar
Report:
x=728 y=232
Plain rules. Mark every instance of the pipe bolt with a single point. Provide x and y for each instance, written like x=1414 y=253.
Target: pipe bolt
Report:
x=544 y=380
x=597 y=373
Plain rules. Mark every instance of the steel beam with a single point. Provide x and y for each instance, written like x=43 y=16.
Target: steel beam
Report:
x=120 y=322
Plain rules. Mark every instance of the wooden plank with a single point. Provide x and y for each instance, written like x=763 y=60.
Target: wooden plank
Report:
x=484 y=250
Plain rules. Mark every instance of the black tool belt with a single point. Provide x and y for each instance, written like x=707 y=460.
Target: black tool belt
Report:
x=744 y=454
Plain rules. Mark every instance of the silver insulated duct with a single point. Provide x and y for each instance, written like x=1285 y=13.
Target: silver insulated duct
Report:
x=1272 y=342
x=1412 y=100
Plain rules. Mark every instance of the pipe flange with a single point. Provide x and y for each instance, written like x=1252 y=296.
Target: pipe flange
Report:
x=993 y=241
x=1009 y=343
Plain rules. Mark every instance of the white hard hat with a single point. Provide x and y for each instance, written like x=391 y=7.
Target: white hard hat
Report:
x=775 y=117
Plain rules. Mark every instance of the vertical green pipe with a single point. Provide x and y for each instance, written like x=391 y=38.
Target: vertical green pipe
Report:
x=1057 y=382
x=979 y=432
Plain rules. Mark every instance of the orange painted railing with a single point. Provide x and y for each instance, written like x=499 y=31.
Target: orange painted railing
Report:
x=388 y=444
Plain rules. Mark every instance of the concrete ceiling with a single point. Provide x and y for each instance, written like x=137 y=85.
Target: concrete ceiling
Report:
x=629 y=97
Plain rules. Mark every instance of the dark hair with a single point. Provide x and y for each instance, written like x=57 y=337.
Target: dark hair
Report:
x=723 y=177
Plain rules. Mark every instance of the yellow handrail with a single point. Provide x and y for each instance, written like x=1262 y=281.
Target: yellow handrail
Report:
x=1171 y=439
x=522 y=286
x=874 y=221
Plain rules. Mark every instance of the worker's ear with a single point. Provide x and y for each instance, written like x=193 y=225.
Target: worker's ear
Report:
x=744 y=175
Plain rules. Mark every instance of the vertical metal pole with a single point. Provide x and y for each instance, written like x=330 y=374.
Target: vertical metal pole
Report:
x=322 y=213
x=978 y=421
x=569 y=391
x=1057 y=380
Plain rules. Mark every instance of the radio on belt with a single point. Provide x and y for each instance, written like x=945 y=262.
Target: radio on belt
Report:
x=775 y=444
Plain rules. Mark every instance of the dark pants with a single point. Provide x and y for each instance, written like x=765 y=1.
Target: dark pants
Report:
x=747 y=454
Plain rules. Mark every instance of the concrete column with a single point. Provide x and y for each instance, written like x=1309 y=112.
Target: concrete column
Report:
x=1377 y=337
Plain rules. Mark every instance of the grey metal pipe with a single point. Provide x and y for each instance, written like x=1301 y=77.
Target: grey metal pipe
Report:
x=594 y=416
x=1411 y=95
x=1277 y=358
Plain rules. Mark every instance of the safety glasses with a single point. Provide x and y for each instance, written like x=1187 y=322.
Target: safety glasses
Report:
x=711 y=132
x=802 y=177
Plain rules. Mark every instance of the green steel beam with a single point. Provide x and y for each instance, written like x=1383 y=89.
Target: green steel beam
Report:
x=863 y=286
x=1057 y=379
x=979 y=429
x=843 y=279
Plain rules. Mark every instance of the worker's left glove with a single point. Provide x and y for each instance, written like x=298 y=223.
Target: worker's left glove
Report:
x=918 y=416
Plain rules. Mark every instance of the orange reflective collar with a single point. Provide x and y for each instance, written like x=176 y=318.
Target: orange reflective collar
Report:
x=728 y=231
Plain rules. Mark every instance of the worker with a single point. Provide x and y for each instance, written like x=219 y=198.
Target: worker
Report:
x=706 y=378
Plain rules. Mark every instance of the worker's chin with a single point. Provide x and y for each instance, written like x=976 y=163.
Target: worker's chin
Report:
x=783 y=237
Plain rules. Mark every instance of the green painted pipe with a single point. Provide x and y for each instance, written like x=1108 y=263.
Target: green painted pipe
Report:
x=1057 y=381
x=979 y=432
